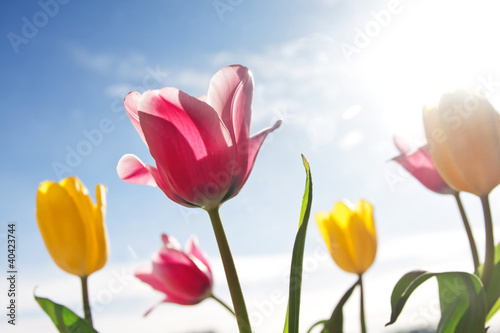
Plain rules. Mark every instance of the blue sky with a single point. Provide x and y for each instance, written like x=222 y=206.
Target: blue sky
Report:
x=341 y=96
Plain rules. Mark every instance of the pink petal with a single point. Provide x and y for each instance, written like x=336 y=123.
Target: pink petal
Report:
x=131 y=102
x=195 y=119
x=193 y=249
x=133 y=171
x=251 y=150
x=421 y=166
x=170 y=299
x=230 y=94
x=170 y=242
x=181 y=277
x=145 y=274
x=181 y=154
x=401 y=144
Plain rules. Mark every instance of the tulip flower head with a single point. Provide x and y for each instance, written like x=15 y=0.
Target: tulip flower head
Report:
x=420 y=164
x=184 y=277
x=202 y=146
x=463 y=132
x=72 y=227
x=350 y=235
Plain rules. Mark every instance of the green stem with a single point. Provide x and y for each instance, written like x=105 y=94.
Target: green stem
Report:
x=223 y=304
x=230 y=270
x=362 y=304
x=489 y=259
x=468 y=230
x=85 y=296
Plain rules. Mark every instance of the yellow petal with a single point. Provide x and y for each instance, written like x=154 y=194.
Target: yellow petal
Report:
x=350 y=235
x=342 y=248
x=365 y=210
x=62 y=228
x=362 y=229
x=344 y=254
x=100 y=239
x=342 y=213
x=80 y=195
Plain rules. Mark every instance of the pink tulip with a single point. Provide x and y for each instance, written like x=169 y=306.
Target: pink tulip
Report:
x=202 y=146
x=184 y=277
x=419 y=163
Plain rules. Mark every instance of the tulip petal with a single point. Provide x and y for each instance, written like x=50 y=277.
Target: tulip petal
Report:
x=341 y=238
x=401 y=144
x=181 y=276
x=364 y=235
x=169 y=299
x=365 y=211
x=199 y=143
x=170 y=242
x=131 y=103
x=80 y=195
x=194 y=119
x=421 y=166
x=443 y=161
x=193 y=249
x=333 y=228
x=101 y=235
x=364 y=247
x=96 y=253
x=181 y=163
x=61 y=228
x=146 y=275
x=133 y=171
x=230 y=94
x=247 y=155
x=476 y=149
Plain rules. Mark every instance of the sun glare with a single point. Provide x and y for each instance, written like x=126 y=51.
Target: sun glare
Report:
x=426 y=49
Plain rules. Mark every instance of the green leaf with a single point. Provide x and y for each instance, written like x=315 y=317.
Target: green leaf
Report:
x=461 y=295
x=65 y=320
x=292 y=321
x=493 y=310
x=321 y=322
x=336 y=322
x=493 y=291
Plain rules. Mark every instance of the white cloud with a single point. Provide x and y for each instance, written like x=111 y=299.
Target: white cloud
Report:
x=119 y=300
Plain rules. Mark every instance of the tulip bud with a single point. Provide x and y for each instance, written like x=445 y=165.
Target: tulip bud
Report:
x=184 y=277
x=72 y=227
x=463 y=132
x=208 y=138
x=350 y=235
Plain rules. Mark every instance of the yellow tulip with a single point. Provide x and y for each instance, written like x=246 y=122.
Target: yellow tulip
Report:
x=350 y=235
x=72 y=227
x=463 y=132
